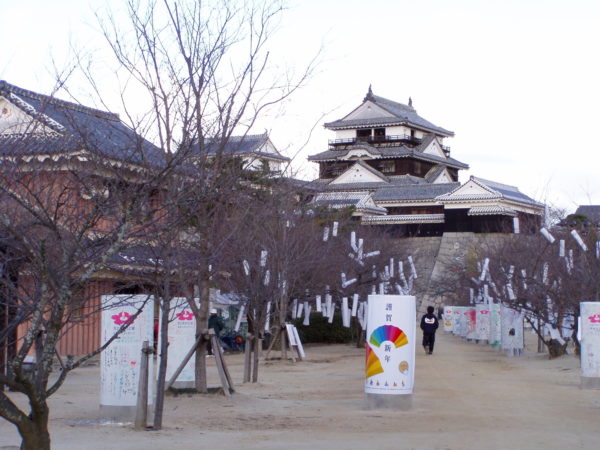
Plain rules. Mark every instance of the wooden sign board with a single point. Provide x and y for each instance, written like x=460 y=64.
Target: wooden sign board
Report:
x=294 y=340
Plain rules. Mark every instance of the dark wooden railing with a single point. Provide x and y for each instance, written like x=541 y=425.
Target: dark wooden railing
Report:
x=374 y=139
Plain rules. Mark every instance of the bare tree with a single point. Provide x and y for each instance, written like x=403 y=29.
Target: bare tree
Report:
x=544 y=275
x=206 y=71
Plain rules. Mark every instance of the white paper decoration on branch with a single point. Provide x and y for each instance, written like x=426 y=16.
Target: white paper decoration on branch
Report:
x=579 y=240
x=547 y=235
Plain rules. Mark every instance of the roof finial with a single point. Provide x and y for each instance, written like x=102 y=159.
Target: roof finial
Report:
x=369 y=95
x=410 y=101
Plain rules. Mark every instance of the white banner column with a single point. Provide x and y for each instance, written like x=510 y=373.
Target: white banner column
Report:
x=590 y=345
x=182 y=334
x=120 y=361
x=390 y=347
x=448 y=319
x=512 y=331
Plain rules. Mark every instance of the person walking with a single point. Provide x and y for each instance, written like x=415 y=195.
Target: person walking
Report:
x=216 y=323
x=429 y=325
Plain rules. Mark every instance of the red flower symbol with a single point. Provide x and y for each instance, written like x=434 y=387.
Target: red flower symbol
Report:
x=123 y=318
x=484 y=312
x=595 y=318
x=185 y=315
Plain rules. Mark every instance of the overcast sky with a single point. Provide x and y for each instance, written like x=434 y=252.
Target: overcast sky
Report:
x=517 y=81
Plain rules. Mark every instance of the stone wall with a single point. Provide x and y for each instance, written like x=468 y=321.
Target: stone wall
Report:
x=433 y=256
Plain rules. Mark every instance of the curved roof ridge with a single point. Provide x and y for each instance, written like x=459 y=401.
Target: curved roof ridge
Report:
x=493 y=184
x=378 y=99
x=16 y=90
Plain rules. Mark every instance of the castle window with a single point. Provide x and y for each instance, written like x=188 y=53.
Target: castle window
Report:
x=387 y=166
x=363 y=135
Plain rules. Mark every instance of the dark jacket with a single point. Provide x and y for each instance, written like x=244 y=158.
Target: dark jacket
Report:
x=429 y=323
x=216 y=323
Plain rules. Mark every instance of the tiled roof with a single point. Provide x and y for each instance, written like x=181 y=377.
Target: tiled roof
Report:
x=403 y=114
x=413 y=192
x=433 y=173
x=491 y=210
x=404 y=218
x=494 y=190
x=75 y=128
x=507 y=191
x=394 y=181
x=360 y=200
x=249 y=144
x=398 y=151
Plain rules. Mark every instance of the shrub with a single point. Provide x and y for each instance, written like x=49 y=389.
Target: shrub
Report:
x=322 y=332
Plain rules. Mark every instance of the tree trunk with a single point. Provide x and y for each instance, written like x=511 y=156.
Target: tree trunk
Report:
x=34 y=431
x=201 y=327
x=282 y=313
x=247 y=357
x=257 y=342
x=360 y=334
x=556 y=349
x=165 y=308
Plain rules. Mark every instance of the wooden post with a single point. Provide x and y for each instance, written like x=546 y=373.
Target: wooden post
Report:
x=247 y=357
x=540 y=342
x=219 y=361
x=257 y=343
x=141 y=413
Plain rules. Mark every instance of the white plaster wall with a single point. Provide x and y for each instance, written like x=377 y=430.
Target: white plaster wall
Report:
x=397 y=131
x=368 y=110
x=14 y=120
x=345 y=134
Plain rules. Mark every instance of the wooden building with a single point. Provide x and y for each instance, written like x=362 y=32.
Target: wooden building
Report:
x=395 y=169
x=67 y=166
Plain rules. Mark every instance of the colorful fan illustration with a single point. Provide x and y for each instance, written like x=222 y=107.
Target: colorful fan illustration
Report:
x=373 y=366
x=388 y=333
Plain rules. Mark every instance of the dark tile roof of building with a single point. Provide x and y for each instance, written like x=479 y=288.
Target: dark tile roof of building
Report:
x=396 y=181
x=402 y=114
x=249 y=144
x=397 y=151
x=507 y=191
x=413 y=192
x=75 y=128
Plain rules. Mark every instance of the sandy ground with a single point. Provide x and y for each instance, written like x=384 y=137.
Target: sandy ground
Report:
x=467 y=396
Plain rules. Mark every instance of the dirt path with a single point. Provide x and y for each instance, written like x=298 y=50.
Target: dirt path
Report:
x=467 y=396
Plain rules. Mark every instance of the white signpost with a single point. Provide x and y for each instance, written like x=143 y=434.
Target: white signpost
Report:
x=482 y=323
x=512 y=331
x=182 y=334
x=495 y=329
x=457 y=320
x=390 y=346
x=448 y=319
x=120 y=362
x=590 y=345
x=471 y=323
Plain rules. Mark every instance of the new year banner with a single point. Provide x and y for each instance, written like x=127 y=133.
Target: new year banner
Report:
x=391 y=335
x=471 y=322
x=457 y=320
x=448 y=320
x=482 y=322
x=120 y=362
x=495 y=330
x=590 y=339
x=512 y=328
